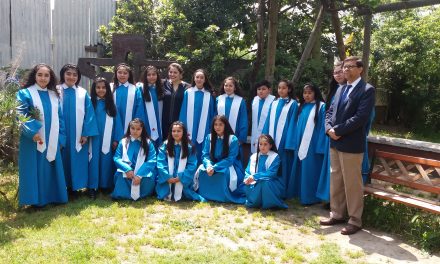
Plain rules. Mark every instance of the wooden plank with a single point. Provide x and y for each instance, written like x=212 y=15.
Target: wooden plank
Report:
x=385 y=165
x=422 y=161
x=403 y=200
x=414 y=185
x=402 y=169
x=423 y=173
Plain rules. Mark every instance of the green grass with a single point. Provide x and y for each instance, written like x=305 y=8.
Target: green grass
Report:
x=399 y=132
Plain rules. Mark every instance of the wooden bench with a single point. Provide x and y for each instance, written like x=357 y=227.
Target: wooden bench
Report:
x=405 y=179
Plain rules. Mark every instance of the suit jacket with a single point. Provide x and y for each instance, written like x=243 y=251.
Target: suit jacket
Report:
x=350 y=120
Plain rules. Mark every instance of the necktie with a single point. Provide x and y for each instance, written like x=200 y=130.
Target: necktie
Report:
x=345 y=93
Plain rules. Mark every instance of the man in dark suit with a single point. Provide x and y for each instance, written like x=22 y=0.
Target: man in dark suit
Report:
x=345 y=124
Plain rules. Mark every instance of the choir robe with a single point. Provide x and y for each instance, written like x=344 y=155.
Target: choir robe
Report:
x=157 y=113
x=268 y=188
x=147 y=171
x=76 y=162
x=40 y=182
x=172 y=103
x=120 y=95
x=366 y=160
x=260 y=110
x=286 y=155
x=241 y=126
x=306 y=173
x=163 y=188
x=101 y=165
x=217 y=187
x=197 y=106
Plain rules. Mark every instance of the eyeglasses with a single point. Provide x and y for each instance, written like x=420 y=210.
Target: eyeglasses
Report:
x=349 y=67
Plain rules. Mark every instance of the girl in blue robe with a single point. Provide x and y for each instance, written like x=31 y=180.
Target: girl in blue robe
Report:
x=80 y=122
x=128 y=98
x=220 y=177
x=101 y=165
x=260 y=110
x=198 y=110
x=281 y=114
x=231 y=104
x=42 y=133
x=176 y=164
x=152 y=94
x=135 y=159
x=264 y=187
x=307 y=136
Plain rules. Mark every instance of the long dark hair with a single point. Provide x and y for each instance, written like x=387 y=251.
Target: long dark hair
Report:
x=207 y=84
x=318 y=100
x=158 y=84
x=333 y=87
x=70 y=66
x=130 y=74
x=110 y=107
x=237 y=89
x=228 y=131
x=31 y=80
x=269 y=140
x=289 y=85
x=186 y=142
x=144 y=135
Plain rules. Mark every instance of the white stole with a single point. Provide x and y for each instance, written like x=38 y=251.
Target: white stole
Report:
x=278 y=134
x=152 y=120
x=233 y=178
x=235 y=108
x=135 y=189
x=130 y=102
x=253 y=162
x=80 y=99
x=190 y=113
x=178 y=186
x=308 y=133
x=257 y=125
x=54 y=125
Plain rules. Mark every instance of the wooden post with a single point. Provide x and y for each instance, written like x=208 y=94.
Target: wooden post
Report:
x=366 y=47
x=308 y=48
x=336 y=23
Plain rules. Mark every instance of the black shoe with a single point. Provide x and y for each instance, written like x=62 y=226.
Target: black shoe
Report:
x=92 y=194
x=331 y=221
x=73 y=194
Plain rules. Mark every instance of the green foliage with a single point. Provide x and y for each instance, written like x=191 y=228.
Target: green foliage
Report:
x=418 y=227
x=404 y=50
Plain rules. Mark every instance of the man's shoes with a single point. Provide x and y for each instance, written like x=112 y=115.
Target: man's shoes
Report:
x=350 y=229
x=331 y=221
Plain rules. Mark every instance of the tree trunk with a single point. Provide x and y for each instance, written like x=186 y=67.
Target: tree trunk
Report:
x=336 y=23
x=260 y=42
x=274 y=8
x=316 y=50
x=308 y=48
x=366 y=47
x=398 y=6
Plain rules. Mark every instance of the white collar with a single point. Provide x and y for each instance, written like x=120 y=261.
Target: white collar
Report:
x=353 y=84
x=220 y=137
x=40 y=89
x=134 y=139
x=177 y=144
x=199 y=90
x=230 y=95
x=126 y=84
x=64 y=85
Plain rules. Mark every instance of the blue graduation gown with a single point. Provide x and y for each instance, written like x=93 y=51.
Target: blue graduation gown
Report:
x=196 y=119
x=101 y=166
x=147 y=171
x=186 y=177
x=153 y=93
x=40 y=182
x=285 y=154
x=76 y=163
x=121 y=104
x=306 y=172
x=241 y=127
x=268 y=189
x=216 y=187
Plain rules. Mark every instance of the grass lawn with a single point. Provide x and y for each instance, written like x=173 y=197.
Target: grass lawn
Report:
x=151 y=231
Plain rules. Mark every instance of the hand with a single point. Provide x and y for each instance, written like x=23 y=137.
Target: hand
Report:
x=130 y=174
x=210 y=171
x=37 y=138
x=332 y=134
x=114 y=145
x=83 y=140
x=249 y=180
x=136 y=180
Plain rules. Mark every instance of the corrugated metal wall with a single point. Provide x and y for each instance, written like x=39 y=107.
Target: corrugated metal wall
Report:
x=74 y=25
